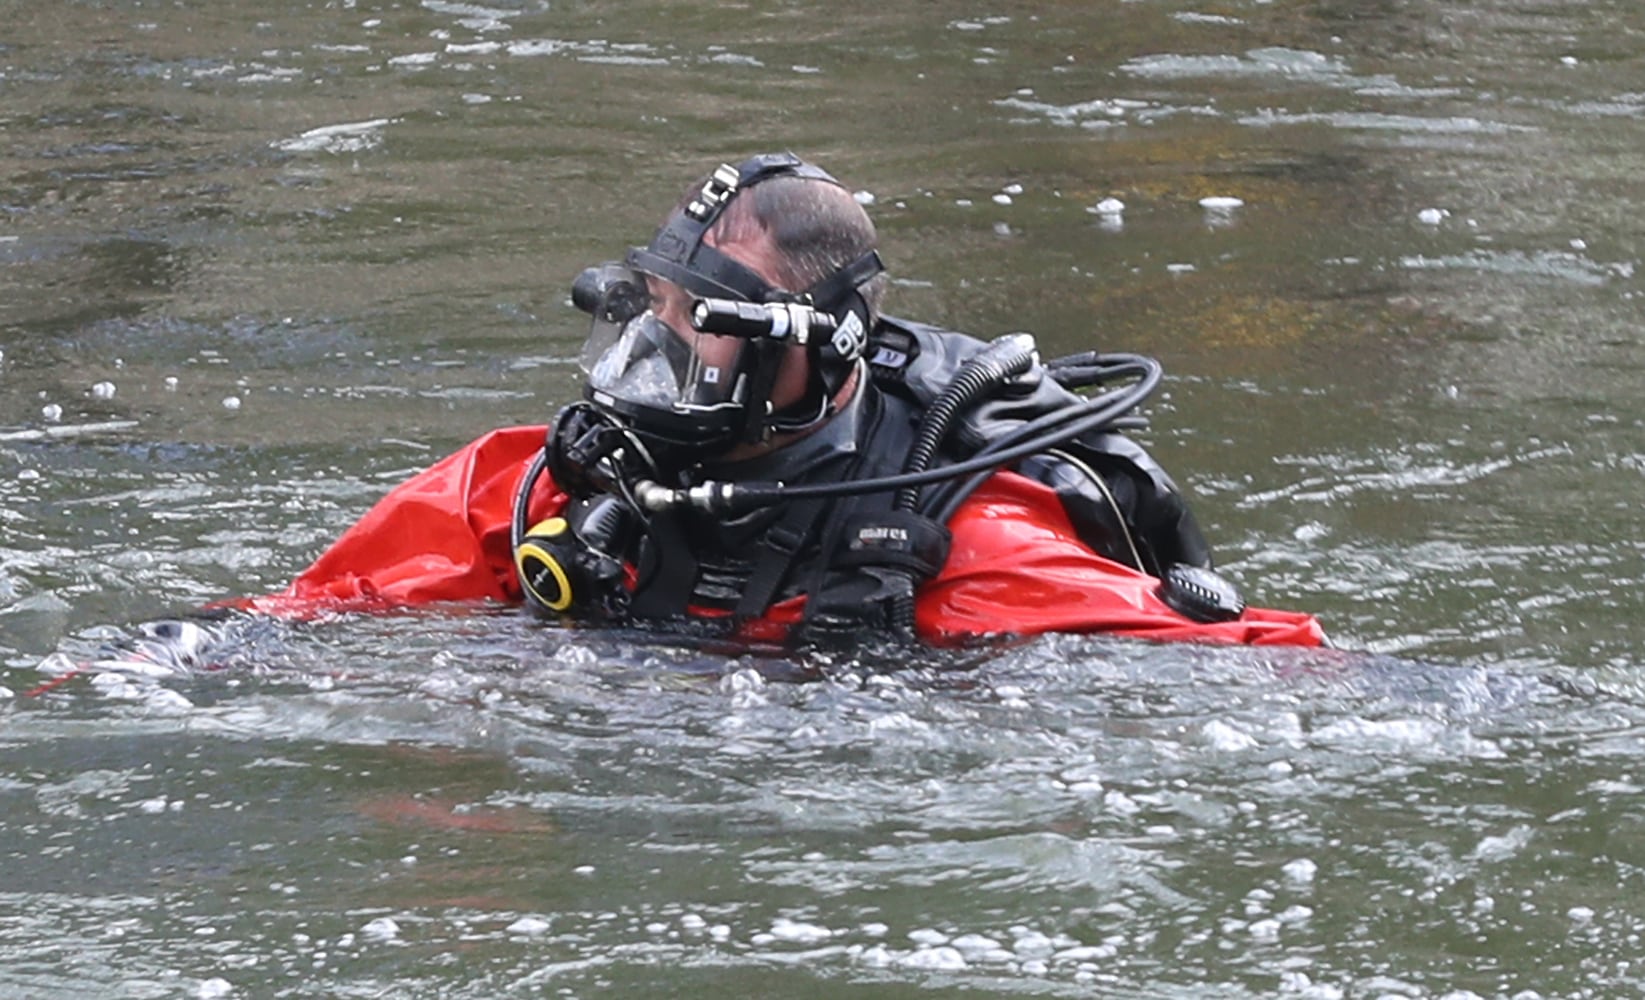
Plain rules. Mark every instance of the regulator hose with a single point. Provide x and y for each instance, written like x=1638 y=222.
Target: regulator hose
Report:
x=1096 y=413
x=1006 y=357
x=522 y=500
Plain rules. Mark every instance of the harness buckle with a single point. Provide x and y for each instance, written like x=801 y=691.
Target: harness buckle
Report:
x=716 y=192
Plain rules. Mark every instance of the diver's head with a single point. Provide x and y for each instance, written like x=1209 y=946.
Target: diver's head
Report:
x=774 y=233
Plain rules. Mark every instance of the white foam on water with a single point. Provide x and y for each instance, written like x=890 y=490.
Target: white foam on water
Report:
x=213 y=989
x=796 y=931
x=529 y=926
x=414 y=59
x=346 y=137
x=943 y=959
x=1501 y=847
x=1225 y=738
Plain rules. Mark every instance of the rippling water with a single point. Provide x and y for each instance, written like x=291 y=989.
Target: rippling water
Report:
x=259 y=262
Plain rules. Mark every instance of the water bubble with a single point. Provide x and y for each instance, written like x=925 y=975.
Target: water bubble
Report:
x=1219 y=209
x=1033 y=943
x=529 y=926
x=171 y=383
x=1432 y=216
x=1301 y=871
x=864 y=197
x=231 y=402
x=784 y=929
x=103 y=390
x=213 y=988
x=1002 y=199
x=381 y=929
x=1012 y=189
x=1108 y=206
x=972 y=945
x=940 y=959
x=52 y=412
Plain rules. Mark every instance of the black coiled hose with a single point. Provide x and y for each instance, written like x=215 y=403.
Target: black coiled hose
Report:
x=1006 y=357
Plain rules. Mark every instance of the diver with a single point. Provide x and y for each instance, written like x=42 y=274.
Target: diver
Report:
x=760 y=445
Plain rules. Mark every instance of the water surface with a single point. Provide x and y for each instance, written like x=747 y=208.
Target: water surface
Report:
x=260 y=262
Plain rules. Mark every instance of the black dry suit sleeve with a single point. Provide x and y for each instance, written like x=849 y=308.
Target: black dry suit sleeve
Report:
x=1122 y=503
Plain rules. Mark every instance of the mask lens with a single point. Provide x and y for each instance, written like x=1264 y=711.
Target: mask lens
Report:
x=651 y=363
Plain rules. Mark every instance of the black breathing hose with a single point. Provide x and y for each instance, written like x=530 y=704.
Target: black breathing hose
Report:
x=1102 y=412
x=1006 y=357
x=522 y=500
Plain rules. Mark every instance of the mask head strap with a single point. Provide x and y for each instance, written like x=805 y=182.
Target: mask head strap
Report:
x=678 y=253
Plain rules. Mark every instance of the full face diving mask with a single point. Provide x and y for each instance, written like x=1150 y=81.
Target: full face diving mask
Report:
x=685 y=341
x=646 y=364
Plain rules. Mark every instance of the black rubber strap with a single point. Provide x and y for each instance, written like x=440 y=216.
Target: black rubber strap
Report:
x=778 y=550
x=668 y=570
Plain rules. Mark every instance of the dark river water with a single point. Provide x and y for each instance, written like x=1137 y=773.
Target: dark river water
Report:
x=261 y=260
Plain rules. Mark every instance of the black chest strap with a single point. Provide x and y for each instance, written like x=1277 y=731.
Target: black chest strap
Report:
x=779 y=551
